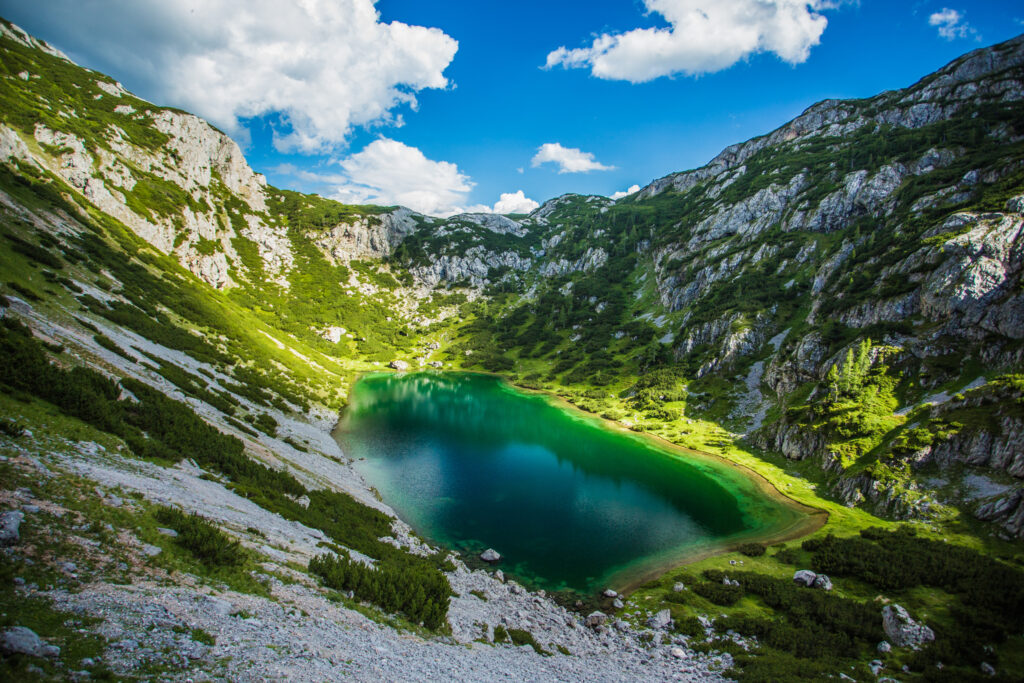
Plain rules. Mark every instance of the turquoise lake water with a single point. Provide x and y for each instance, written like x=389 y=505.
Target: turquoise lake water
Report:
x=470 y=463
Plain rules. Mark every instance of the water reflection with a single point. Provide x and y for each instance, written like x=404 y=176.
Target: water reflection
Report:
x=470 y=463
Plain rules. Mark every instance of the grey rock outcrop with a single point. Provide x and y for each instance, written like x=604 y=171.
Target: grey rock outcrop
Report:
x=804 y=577
x=367 y=237
x=10 y=522
x=18 y=640
x=902 y=630
x=660 y=620
x=1007 y=511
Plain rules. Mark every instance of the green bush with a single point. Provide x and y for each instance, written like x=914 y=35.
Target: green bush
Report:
x=752 y=549
x=11 y=428
x=993 y=591
x=110 y=345
x=419 y=591
x=718 y=592
x=207 y=543
x=521 y=636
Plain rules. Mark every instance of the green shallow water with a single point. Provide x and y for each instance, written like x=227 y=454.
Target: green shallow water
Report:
x=470 y=463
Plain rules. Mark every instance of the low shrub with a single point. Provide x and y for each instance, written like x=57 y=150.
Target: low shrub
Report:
x=207 y=543
x=752 y=549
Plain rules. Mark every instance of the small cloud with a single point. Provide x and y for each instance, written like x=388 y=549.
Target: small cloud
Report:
x=620 y=194
x=515 y=202
x=519 y=170
x=951 y=24
x=568 y=159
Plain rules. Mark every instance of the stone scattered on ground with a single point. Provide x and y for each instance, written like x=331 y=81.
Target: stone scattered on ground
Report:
x=10 y=522
x=884 y=646
x=678 y=587
x=902 y=630
x=661 y=620
x=595 y=619
x=150 y=550
x=490 y=555
x=609 y=593
x=823 y=582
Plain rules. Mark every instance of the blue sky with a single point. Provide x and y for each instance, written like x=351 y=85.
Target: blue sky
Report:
x=320 y=95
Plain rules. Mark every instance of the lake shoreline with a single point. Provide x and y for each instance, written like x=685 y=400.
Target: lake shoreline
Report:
x=809 y=519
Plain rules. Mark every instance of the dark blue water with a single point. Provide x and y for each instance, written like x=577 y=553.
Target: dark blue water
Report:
x=471 y=463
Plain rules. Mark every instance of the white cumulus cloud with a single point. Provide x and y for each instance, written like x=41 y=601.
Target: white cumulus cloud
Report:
x=951 y=24
x=323 y=66
x=388 y=172
x=514 y=202
x=703 y=36
x=625 y=193
x=568 y=159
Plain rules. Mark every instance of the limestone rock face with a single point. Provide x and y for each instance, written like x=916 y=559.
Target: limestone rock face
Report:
x=473 y=266
x=1007 y=511
x=902 y=630
x=369 y=237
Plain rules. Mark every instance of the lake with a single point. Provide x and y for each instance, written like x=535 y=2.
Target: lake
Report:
x=569 y=501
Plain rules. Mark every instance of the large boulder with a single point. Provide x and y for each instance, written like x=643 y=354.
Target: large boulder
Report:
x=595 y=619
x=9 y=523
x=490 y=555
x=823 y=582
x=399 y=365
x=805 y=577
x=19 y=640
x=333 y=334
x=902 y=630
x=662 y=619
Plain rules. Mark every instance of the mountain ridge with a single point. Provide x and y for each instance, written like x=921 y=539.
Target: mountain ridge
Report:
x=836 y=305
